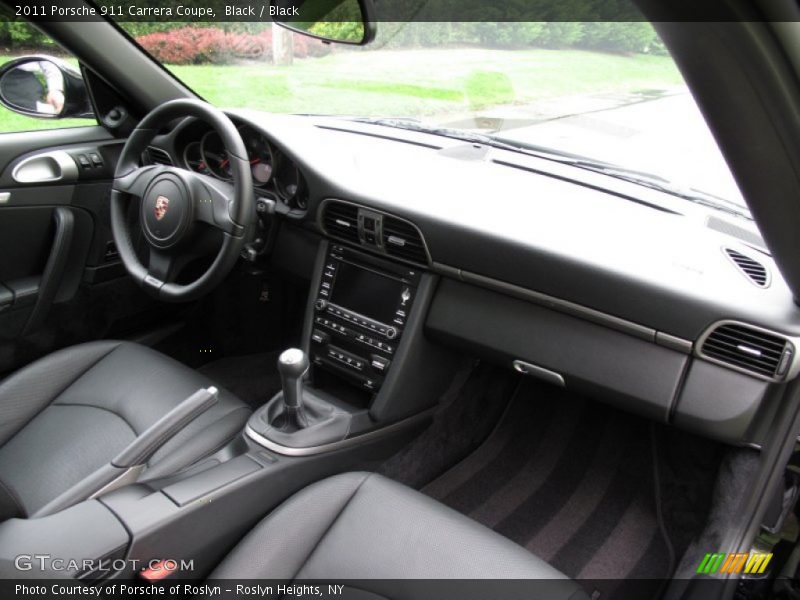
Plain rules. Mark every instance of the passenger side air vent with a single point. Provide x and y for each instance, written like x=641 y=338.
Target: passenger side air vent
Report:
x=749 y=349
x=752 y=269
x=157 y=156
x=403 y=240
x=341 y=220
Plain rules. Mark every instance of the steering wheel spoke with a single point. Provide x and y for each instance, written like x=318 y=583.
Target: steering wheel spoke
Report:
x=161 y=269
x=161 y=265
x=135 y=183
x=212 y=203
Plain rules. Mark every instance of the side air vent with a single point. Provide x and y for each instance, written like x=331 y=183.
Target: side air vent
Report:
x=403 y=240
x=341 y=220
x=157 y=156
x=752 y=269
x=749 y=349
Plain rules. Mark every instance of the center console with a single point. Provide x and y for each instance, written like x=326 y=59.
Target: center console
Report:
x=361 y=308
x=365 y=365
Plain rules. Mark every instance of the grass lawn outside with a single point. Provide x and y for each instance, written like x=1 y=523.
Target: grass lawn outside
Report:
x=411 y=83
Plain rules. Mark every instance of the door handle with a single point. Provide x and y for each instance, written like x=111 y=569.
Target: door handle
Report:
x=54 y=268
x=47 y=167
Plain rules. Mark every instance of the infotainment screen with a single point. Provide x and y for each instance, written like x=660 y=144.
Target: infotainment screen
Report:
x=366 y=292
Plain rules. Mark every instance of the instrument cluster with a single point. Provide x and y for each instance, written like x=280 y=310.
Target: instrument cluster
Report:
x=271 y=169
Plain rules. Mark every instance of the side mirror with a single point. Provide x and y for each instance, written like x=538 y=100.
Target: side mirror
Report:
x=44 y=87
x=341 y=21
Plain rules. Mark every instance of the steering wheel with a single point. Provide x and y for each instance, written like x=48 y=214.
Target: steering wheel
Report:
x=175 y=202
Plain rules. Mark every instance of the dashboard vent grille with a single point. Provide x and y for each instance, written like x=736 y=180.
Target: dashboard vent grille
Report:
x=341 y=220
x=157 y=156
x=751 y=268
x=749 y=349
x=403 y=240
x=723 y=226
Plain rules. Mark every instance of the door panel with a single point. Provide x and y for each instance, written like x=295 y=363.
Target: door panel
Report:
x=61 y=281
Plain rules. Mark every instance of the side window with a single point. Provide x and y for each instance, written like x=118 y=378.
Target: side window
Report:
x=40 y=84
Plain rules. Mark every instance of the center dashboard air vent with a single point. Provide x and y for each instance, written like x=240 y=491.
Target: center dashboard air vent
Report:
x=750 y=349
x=375 y=231
x=340 y=220
x=755 y=271
x=403 y=240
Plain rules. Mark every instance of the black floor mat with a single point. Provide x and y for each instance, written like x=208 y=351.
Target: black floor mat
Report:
x=253 y=378
x=571 y=480
x=466 y=415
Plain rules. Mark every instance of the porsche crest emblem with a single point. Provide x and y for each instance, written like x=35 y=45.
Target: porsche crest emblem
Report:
x=162 y=204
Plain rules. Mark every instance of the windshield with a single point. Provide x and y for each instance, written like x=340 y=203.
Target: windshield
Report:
x=605 y=91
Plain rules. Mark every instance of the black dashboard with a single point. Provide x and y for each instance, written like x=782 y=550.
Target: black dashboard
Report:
x=662 y=306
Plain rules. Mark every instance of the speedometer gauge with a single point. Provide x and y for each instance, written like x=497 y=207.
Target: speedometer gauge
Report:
x=262 y=172
x=260 y=156
x=215 y=156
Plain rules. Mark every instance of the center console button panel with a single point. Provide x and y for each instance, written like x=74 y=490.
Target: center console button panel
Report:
x=362 y=306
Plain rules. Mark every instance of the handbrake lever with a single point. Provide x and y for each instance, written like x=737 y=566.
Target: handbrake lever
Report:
x=129 y=464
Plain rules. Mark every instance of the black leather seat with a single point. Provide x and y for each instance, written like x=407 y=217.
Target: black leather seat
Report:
x=68 y=414
x=373 y=531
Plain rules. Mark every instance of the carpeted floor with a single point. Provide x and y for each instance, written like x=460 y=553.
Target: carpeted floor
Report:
x=253 y=378
x=467 y=413
x=572 y=481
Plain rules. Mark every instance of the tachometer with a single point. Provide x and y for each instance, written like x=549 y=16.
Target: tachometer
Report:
x=215 y=156
x=193 y=159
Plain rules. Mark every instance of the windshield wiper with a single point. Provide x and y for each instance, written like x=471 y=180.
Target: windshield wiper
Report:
x=645 y=179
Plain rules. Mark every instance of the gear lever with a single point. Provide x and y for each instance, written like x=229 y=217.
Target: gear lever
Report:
x=292 y=366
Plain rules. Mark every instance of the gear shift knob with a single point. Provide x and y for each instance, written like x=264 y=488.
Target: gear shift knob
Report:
x=292 y=366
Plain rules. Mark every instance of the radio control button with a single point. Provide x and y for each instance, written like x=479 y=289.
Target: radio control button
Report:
x=390 y=333
x=320 y=304
x=319 y=337
x=405 y=296
x=379 y=363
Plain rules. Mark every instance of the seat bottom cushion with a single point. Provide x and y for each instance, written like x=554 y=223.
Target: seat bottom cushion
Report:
x=366 y=528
